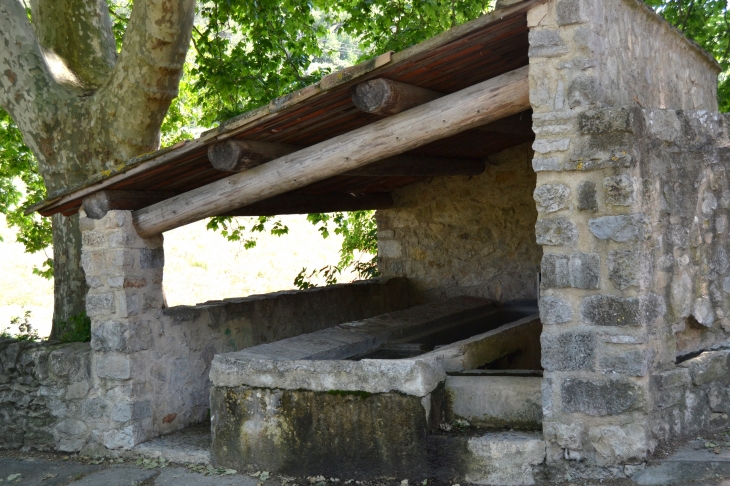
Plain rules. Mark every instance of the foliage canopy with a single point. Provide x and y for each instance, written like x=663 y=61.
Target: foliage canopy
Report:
x=245 y=53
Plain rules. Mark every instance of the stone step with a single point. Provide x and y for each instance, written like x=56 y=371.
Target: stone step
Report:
x=494 y=458
x=694 y=462
x=497 y=401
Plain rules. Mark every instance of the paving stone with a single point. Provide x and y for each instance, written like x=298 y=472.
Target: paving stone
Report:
x=35 y=471
x=117 y=476
x=177 y=477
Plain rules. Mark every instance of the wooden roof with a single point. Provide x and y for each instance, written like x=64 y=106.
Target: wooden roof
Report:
x=489 y=46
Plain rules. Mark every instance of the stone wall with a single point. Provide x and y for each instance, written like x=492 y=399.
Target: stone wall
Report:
x=614 y=53
x=608 y=264
x=466 y=235
x=633 y=273
x=42 y=391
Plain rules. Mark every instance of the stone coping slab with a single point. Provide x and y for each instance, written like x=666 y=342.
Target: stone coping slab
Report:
x=318 y=361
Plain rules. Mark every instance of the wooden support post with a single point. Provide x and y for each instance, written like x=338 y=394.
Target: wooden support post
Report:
x=385 y=97
x=314 y=203
x=476 y=105
x=96 y=205
x=240 y=155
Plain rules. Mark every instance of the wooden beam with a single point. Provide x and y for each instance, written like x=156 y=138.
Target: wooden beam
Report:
x=419 y=166
x=99 y=203
x=385 y=97
x=482 y=103
x=239 y=155
x=314 y=203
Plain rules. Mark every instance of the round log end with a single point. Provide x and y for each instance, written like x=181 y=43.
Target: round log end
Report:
x=224 y=155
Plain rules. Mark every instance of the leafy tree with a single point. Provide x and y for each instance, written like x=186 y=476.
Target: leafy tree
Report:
x=87 y=84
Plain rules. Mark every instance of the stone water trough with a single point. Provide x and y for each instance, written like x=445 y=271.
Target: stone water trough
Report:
x=396 y=394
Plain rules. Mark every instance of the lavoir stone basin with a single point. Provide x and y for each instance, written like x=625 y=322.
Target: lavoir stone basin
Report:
x=369 y=398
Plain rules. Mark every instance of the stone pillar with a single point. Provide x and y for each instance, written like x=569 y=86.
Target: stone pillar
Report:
x=599 y=311
x=124 y=274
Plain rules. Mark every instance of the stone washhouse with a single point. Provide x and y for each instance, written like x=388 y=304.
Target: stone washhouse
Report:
x=552 y=193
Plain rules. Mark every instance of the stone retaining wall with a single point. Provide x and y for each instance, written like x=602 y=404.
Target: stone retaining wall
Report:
x=42 y=392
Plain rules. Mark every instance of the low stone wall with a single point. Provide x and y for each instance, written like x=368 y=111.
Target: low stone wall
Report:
x=692 y=397
x=145 y=372
x=43 y=387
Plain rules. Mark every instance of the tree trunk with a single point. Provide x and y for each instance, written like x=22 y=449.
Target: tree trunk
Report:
x=69 y=281
x=84 y=109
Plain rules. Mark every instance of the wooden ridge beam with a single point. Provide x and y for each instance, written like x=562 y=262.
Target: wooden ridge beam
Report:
x=314 y=203
x=476 y=105
x=386 y=97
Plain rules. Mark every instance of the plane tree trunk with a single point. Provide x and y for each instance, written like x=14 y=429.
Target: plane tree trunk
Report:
x=84 y=108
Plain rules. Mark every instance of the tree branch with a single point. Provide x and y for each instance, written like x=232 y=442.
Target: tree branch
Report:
x=28 y=90
x=145 y=79
x=80 y=33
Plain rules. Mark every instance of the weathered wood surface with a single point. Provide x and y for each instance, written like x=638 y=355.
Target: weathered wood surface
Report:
x=386 y=97
x=482 y=103
x=239 y=155
x=314 y=203
x=98 y=204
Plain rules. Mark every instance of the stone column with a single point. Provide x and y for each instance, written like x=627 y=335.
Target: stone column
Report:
x=124 y=274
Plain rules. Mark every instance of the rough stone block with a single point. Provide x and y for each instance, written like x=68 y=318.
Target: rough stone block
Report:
x=555 y=232
x=623 y=268
x=552 y=197
x=71 y=435
x=554 y=311
x=605 y=120
x=497 y=401
x=709 y=367
x=616 y=444
x=126 y=411
x=587 y=200
x=546 y=43
x=113 y=366
x=542 y=164
x=568 y=351
x=619 y=190
x=632 y=363
x=579 y=270
x=547 y=145
x=92 y=238
x=504 y=458
x=607 y=310
x=664 y=125
x=567 y=436
x=617 y=228
x=108 y=336
x=582 y=91
x=568 y=12
x=100 y=304
x=151 y=258
x=600 y=398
